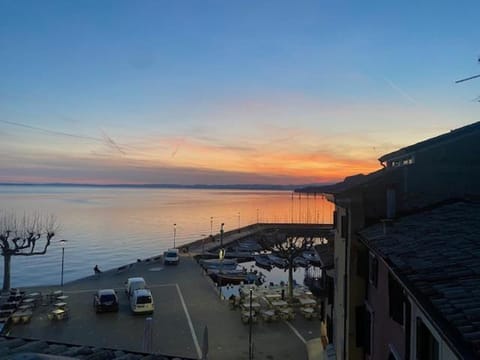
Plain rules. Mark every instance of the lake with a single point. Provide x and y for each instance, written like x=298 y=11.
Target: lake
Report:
x=115 y=226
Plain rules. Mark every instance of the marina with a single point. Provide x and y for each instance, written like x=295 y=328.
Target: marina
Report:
x=187 y=302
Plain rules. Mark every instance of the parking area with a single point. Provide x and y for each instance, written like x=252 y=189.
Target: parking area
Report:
x=185 y=302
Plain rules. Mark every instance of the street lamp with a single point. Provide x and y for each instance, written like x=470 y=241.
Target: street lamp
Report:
x=62 y=244
x=257 y=215
x=174 y=234
x=211 y=225
x=250 y=344
x=239 y=221
x=221 y=236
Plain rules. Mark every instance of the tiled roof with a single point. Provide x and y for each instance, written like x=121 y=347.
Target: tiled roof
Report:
x=436 y=254
x=18 y=348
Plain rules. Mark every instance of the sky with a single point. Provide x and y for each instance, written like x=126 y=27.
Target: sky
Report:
x=227 y=92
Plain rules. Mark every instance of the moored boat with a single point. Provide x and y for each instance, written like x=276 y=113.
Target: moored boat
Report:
x=312 y=257
x=277 y=261
x=235 y=279
x=263 y=261
x=301 y=261
x=218 y=264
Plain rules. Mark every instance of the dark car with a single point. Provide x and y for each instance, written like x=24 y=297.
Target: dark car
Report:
x=105 y=300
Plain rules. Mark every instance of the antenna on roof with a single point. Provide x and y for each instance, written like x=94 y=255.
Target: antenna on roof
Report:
x=470 y=77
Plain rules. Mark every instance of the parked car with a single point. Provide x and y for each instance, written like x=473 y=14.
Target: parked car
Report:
x=171 y=257
x=141 y=301
x=105 y=300
x=133 y=284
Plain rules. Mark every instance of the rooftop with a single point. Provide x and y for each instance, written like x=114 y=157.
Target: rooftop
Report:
x=436 y=254
x=452 y=135
x=29 y=349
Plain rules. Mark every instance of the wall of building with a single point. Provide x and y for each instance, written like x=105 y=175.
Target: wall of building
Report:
x=339 y=285
x=445 y=351
x=387 y=333
x=351 y=206
x=356 y=283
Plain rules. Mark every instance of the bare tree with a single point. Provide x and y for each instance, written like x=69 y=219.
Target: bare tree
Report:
x=25 y=235
x=287 y=248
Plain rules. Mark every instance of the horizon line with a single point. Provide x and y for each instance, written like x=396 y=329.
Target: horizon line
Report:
x=176 y=186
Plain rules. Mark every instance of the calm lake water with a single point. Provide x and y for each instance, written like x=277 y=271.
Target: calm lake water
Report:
x=115 y=226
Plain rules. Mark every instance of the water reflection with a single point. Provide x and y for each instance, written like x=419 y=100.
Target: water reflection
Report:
x=114 y=226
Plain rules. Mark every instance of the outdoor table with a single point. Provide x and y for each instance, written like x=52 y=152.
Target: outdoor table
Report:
x=270 y=297
x=13 y=298
x=307 y=312
x=60 y=305
x=34 y=295
x=58 y=293
x=9 y=305
x=58 y=314
x=246 y=317
x=255 y=306
x=268 y=315
x=31 y=302
x=24 y=307
x=287 y=314
x=62 y=297
x=23 y=316
x=6 y=313
x=279 y=303
x=307 y=302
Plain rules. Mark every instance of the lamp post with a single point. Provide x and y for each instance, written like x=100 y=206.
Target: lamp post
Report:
x=257 y=215
x=239 y=221
x=211 y=225
x=221 y=235
x=62 y=244
x=174 y=234
x=250 y=321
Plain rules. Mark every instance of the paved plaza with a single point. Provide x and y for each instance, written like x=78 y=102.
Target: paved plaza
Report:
x=186 y=301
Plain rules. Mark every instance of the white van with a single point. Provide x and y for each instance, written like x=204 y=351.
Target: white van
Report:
x=141 y=301
x=133 y=284
x=171 y=257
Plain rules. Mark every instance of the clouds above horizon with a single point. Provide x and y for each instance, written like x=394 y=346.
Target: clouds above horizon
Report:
x=226 y=92
x=269 y=141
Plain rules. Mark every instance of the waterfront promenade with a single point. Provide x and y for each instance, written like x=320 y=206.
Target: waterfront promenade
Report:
x=185 y=302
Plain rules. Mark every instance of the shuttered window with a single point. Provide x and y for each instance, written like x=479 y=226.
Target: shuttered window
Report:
x=396 y=299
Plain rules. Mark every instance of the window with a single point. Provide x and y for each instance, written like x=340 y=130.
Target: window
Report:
x=364 y=328
x=427 y=345
x=362 y=263
x=373 y=270
x=344 y=227
x=107 y=298
x=144 y=299
x=395 y=300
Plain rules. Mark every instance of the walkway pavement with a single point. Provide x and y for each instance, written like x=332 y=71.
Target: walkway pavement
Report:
x=185 y=302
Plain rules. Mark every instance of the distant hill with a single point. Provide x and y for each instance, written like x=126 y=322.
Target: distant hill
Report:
x=170 y=186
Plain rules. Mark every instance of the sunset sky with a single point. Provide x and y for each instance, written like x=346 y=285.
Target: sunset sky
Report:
x=227 y=91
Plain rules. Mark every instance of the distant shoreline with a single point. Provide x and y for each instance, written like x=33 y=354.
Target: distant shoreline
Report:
x=168 y=186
